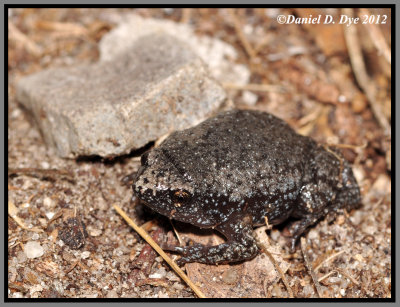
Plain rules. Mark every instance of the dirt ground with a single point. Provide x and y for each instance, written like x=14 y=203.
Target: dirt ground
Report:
x=332 y=83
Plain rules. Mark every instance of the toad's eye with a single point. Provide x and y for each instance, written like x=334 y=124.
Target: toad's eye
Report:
x=143 y=159
x=181 y=197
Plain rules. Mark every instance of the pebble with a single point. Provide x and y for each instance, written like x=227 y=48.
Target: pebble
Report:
x=162 y=294
x=359 y=103
x=34 y=289
x=369 y=228
x=21 y=257
x=160 y=273
x=230 y=276
x=112 y=294
x=313 y=234
x=48 y=202
x=359 y=257
x=249 y=98
x=49 y=215
x=93 y=232
x=33 y=249
x=85 y=254
x=382 y=185
x=45 y=164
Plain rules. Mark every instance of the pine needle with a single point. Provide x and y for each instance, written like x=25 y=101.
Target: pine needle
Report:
x=158 y=249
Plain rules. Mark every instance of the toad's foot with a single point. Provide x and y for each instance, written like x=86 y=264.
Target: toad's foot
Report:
x=240 y=245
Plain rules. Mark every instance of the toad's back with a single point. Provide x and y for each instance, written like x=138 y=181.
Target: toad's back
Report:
x=240 y=151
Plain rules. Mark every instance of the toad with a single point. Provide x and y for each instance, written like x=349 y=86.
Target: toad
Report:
x=231 y=171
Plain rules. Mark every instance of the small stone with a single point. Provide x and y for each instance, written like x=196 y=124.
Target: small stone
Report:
x=342 y=99
x=15 y=113
x=369 y=228
x=21 y=257
x=33 y=249
x=93 y=232
x=160 y=273
x=249 y=98
x=230 y=276
x=112 y=294
x=48 y=202
x=45 y=164
x=109 y=108
x=73 y=233
x=340 y=220
x=155 y=275
x=49 y=215
x=85 y=254
x=34 y=289
x=359 y=103
x=382 y=185
x=313 y=234
x=162 y=294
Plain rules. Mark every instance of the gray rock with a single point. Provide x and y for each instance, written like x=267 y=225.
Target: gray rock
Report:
x=110 y=108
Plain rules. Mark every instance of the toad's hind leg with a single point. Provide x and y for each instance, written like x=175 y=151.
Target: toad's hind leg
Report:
x=240 y=245
x=313 y=203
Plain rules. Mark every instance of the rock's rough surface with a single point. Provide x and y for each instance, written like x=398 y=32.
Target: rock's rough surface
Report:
x=219 y=56
x=109 y=108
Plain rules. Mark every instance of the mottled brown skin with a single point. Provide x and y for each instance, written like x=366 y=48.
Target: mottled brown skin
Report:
x=231 y=171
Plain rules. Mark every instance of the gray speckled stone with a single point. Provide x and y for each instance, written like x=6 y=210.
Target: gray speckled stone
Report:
x=220 y=57
x=110 y=108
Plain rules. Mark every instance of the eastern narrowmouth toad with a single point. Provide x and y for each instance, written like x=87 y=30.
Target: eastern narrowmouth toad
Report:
x=232 y=170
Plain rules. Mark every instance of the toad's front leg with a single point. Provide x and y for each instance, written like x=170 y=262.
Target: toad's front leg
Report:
x=240 y=245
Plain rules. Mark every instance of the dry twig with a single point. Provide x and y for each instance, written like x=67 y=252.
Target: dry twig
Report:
x=340 y=271
x=72 y=266
x=242 y=37
x=264 y=248
x=360 y=72
x=16 y=35
x=350 y=146
x=377 y=37
x=309 y=267
x=277 y=268
x=154 y=245
x=52 y=174
x=72 y=29
x=176 y=233
x=328 y=259
x=186 y=15
x=327 y=275
x=13 y=211
x=353 y=280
